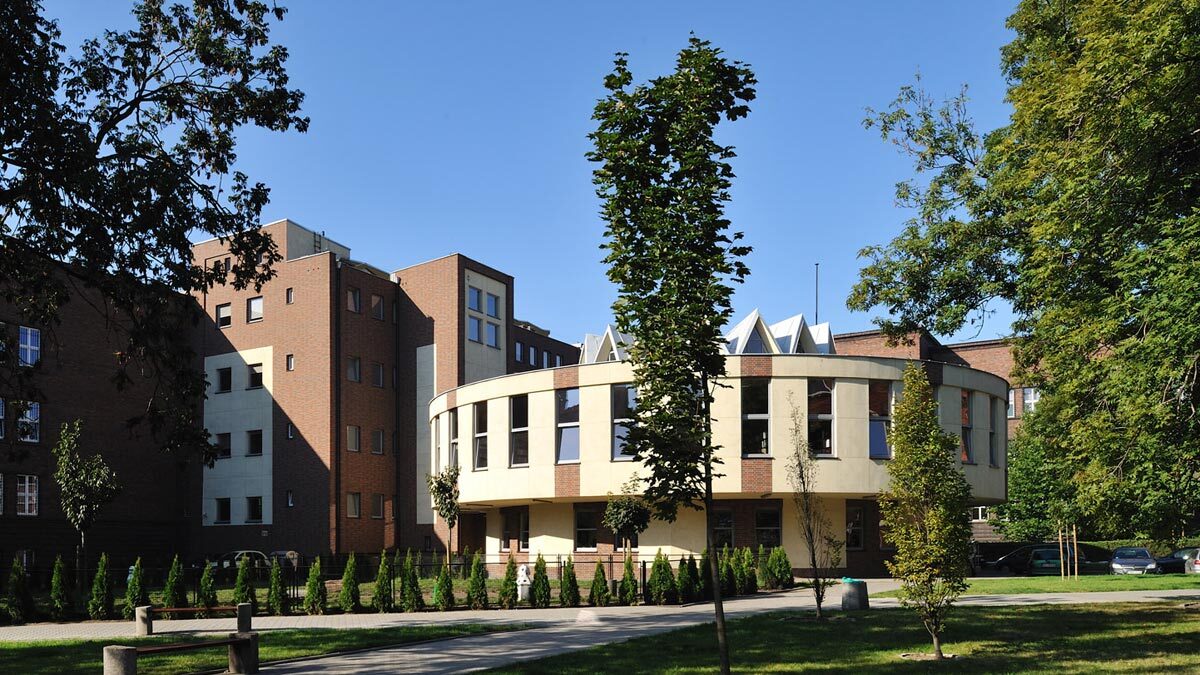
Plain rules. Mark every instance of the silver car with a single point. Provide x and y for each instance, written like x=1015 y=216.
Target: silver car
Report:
x=1133 y=560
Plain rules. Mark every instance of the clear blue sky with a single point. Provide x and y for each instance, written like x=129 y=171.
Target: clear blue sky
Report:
x=462 y=126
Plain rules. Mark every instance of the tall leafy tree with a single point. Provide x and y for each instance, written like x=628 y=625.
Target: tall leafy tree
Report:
x=924 y=508
x=85 y=485
x=1081 y=213
x=664 y=181
x=112 y=158
x=443 y=488
x=627 y=514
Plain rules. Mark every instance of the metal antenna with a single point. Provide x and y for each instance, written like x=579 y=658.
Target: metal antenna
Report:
x=817 y=296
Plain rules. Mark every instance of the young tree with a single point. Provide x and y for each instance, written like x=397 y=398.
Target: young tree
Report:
x=568 y=590
x=539 y=590
x=85 y=485
x=315 y=593
x=443 y=589
x=243 y=586
x=348 y=599
x=599 y=594
x=824 y=549
x=664 y=181
x=100 y=606
x=136 y=594
x=411 y=597
x=924 y=508
x=508 y=588
x=383 y=594
x=208 y=591
x=685 y=581
x=662 y=581
x=477 y=593
x=277 y=599
x=60 y=604
x=174 y=593
x=627 y=590
x=18 y=597
x=443 y=488
x=627 y=514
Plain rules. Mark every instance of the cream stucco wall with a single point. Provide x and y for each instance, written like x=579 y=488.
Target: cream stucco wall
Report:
x=482 y=361
x=236 y=412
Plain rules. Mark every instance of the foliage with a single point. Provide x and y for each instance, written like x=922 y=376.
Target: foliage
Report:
x=383 y=597
x=277 y=598
x=779 y=569
x=738 y=565
x=432 y=570
x=761 y=569
x=1081 y=213
x=348 y=598
x=243 y=587
x=477 y=592
x=661 y=584
x=627 y=514
x=704 y=579
x=100 y=605
x=539 y=591
x=443 y=489
x=816 y=530
x=136 y=594
x=443 y=590
x=85 y=484
x=749 y=574
x=924 y=508
x=411 y=597
x=174 y=593
x=507 y=599
x=1040 y=494
x=315 y=593
x=568 y=589
x=208 y=590
x=18 y=597
x=685 y=581
x=627 y=590
x=599 y=594
x=60 y=604
x=727 y=565
x=464 y=568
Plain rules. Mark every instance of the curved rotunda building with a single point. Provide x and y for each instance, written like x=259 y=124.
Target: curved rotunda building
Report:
x=540 y=451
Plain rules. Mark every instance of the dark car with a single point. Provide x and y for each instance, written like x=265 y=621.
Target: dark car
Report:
x=1033 y=559
x=1176 y=561
x=1133 y=560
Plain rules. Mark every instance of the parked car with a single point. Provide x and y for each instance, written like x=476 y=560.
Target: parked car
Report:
x=1133 y=560
x=1092 y=560
x=1176 y=561
x=226 y=565
x=1048 y=562
x=1191 y=565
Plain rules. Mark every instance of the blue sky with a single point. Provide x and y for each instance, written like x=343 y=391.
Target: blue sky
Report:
x=462 y=126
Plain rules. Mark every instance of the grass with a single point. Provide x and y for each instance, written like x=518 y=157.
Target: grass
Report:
x=1119 y=637
x=1085 y=584
x=76 y=656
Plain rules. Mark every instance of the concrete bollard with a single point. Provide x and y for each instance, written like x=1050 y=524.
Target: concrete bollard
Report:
x=244 y=617
x=243 y=656
x=143 y=619
x=120 y=660
x=854 y=595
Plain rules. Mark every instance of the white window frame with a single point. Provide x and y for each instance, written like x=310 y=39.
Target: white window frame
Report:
x=1011 y=412
x=764 y=417
x=1029 y=399
x=28 y=495
x=251 y=316
x=29 y=350
x=885 y=419
x=453 y=458
x=353 y=504
x=830 y=417
x=29 y=424
x=353 y=438
x=479 y=448
x=560 y=426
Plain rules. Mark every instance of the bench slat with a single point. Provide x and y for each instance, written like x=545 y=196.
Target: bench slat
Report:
x=180 y=610
x=188 y=646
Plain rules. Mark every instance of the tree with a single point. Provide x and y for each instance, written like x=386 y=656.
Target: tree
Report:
x=60 y=605
x=136 y=594
x=824 y=549
x=1040 y=489
x=508 y=588
x=315 y=593
x=662 y=581
x=1086 y=224
x=685 y=581
x=568 y=591
x=411 y=598
x=174 y=593
x=85 y=485
x=627 y=514
x=277 y=598
x=348 y=599
x=383 y=594
x=100 y=606
x=443 y=589
x=443 y=488
x=627 y=590
x=243 y=586
x=539 y=590
x=924 y=509
x=749 y=572
x=207 y=598
x=663 y=181
x=18 y=597
x=113 y=159
x=599 y=594
x=704 y=581
x=477 y=592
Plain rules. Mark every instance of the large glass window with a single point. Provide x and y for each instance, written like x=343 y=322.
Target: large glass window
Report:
x=1029 y=400
x=224 y=379
x=377 y=376
x=377 y=506
x=516 y=526
x=481 y=422
x=29 y=424
x=756 y=418
x=767 y=527
x=567 y=419
x=854 y=528
x=820 y=417
x=27 y=495
x=378 y=439
x=454 y=437
x=722 y=528
x=474 y=329
x=533 y=352
x=224 y=315
x=624 y=403
x=30 y=346
x=968 y=452
x=474 y=299
x=879 y=404
x=493 y=306
x=519 y=352
x=1012 y=404
x=518 y=437
x=254 y=309
x=493 y=335
x=586 y=524
x=224 y=444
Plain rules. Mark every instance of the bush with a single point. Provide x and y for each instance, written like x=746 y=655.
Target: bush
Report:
x=174 y=594
x=348 y=599
x=568 y=590
x=277 y=599
x=411 y=598
x=243 y=588
x=685 y=582
x=627 y=591
x=725 y=565
x=704 y=577
x=443 y=590
x=100 y=605
x=737 y=564
x=60 y=604
x=662 y=581
x=598 y=594
x=315 y=594
x=20 y=601
x=762 y=569
x=539 y=592
x=1158 y=548
x=135 y=591
x=781 y=568
x=749 y=573
x=508 y=588
x=477 y=593
x=208 y=590
x=382 y=595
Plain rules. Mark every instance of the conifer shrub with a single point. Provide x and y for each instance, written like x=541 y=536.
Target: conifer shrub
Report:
x=508 y=588
x=781 y=568
x=539 y=591
x=685 y=582
x=726 y=566
x=763 y=570
x=243 y=588
x=348 y=599
x=464 y=565
x=739 y=571
x=568 y=589
x=208 y=591
x=435 y=570
x=704 y=577
x=599 y=594
x=411 y=597
x=277 y=599
x=662 y=581
x=135 y=591
x=477 y=593
x=383 y=598
x=60 y=604
x=627 y=591
x=443 y=590
x=100 y=605
x=174 y=593
x=18 y=597
x=315 y=594
x=750 y=574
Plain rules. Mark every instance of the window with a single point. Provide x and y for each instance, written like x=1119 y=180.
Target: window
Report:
x=493 y=306
x=979 y=514
x=516 y=526
x=353 y=504
x=354 y=369
x=756 y=417
x=2 y=425
x=223 y=510
x=493 y=335
x=854 y=528
x=519 y=352
x=518 y=437
x=624 y=403
x=377 y=441
x=767 y=527
x=532 y=355
x=377 y=506
x=224 y=446
x=454 y=437
x=1012 y=404
x=474 y=329
x=557 y=360
x=1029 y=400
x=224 y=379
x=254 y=309
x=620 y=537
x=481 y=421
x=254 y=509
x=879 y=410
x=993 y=438
x=968 y=452
x=27 y=495
x=723 y=528
x=377 y=311
x=353 y=438
x=224 y=315
x=474 y=299
x=291 y=499
x=377 y=377
x=291 y=430
x=29 y=424
x=586 y=521
x=30 y=347
x=567 y=419
x=545 y=359
x=354 y=300
x=290 y=296
x=820 y=417
x=254 y=375
x=290 y=362
x=254 y=442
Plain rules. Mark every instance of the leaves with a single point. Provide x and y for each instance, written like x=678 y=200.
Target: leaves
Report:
x=85 y=484
x=443 y=488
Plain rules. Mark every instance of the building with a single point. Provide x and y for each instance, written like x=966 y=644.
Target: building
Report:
x=540 y=451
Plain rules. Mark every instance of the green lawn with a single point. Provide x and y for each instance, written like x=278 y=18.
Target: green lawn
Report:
x=76 y=656
x=1085 y=584
x=1127 y=637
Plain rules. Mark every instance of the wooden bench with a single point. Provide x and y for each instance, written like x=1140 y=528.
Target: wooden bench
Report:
x=143 y=617
x=243 y=653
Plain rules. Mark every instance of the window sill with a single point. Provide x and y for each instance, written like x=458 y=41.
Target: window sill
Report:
x=257 y=386
x=969 y=463
x=758 y=455
x=223 y=391
x=353 y=450
x=27 y=515
x=624 y=458
x=224 y=456
x=220 y=327
x=993 y=466
x=566 y=462
x=220 y=522
x=380 y=454
x=519 y=466
x=480 y=468
x=586 y=550
x=254 y=522
x=376 y=517
x=254 y=320
x=881 y=457
x=826 y=457
x=254 y=454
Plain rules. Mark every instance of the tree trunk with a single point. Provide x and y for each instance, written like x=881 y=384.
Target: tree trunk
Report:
x=80 y=556
x=714 y=574
x=818 y=587
x=937 y=646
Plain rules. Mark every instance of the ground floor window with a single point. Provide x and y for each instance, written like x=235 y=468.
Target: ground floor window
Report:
x=854 y=528
x=223 y=510
x=586 y=524
x=723 y=529
x=515 y=526
x=767 y=527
